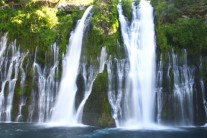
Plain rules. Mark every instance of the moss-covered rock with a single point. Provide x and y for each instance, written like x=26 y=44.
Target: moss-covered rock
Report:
x=97 y=108
x=104 y=29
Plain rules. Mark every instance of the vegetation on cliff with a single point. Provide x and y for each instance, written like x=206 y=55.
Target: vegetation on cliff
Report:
x=181 y=24
x=97 y=109
x=38 y=21
x=104 y=29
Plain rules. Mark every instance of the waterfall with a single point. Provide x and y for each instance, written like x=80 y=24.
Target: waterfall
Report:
x=140 y=94
x=3 y=43
x=203 y=87
x=117 y=71
x=21 y=104
x=175 y=95
x=64 y=111
x=89 y=78
x=10 y=60
x=183 y=88
x=139 y=41
x=159 y=80
x=22 y=98
x=46 y=85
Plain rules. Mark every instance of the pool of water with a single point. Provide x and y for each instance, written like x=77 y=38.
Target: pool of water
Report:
x=27 y=130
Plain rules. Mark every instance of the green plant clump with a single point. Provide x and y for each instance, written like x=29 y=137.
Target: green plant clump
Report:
x=104 y=29
x=180 y=25
x=36 y=25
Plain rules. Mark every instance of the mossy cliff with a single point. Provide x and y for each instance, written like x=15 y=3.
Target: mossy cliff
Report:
x=97 y=109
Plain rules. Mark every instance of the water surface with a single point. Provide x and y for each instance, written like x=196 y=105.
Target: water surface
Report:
x=27 y=130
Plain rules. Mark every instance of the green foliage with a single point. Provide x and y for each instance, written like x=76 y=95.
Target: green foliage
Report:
x=98 y=100
x=37 y=26
x=127 y=8
x=80 y=2
x=104 y=29
x=67 y=23
x=2 y=2
x=188 y=32
x=165 y=12
x=161 y=39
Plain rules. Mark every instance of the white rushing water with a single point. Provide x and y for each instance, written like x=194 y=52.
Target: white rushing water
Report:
x=22 y=102
x=89 y=76
x=176 y=100
x=10 y=60
x=139 y=40
x=116 y=78
x=46 y=86
x=159 y=81
x=183 y=90
x=64 y=111
x=3 y=43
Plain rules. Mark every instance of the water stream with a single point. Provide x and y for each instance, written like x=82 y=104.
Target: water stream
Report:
x=64 y=111
x=139 y=41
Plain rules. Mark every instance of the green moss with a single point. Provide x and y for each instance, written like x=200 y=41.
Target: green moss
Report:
x=189 y=33
x=179 y=25
x=127 y=8
x=38 y=25
x=103 y=31
x=67 y=23
x=98 y=103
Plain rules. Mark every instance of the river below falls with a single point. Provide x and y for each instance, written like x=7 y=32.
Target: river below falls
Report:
x=27 y=130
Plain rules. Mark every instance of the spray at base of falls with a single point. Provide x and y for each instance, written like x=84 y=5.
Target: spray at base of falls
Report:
x=64 y=111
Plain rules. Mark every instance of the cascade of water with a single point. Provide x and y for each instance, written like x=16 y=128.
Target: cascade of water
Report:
x=175 y=81
x=64 y=111
x=139 y=41
x=202 y=86
x=3 y=43
x=21 y=104
x=89 y=78
x=12 y=59
x=182 y=90
x=115 y=95
x=102 y=59
x=47 y=86
x=159 y=90
x=22 y=98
